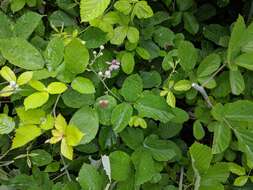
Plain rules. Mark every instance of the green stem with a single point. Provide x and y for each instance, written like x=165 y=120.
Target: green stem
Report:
x=65 y=168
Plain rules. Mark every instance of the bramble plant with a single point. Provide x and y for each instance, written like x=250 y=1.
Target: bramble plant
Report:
x=126 y=95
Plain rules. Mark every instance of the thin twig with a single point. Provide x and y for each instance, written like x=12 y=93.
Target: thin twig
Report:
x=213 y=75
x=181 y=179
x=55 y=105
x=4 y=154
x=65 y=167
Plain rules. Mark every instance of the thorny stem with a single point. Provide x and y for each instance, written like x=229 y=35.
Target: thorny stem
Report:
x=65 y=168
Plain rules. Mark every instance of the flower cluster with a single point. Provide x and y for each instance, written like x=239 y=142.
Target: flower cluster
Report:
x=113 y=65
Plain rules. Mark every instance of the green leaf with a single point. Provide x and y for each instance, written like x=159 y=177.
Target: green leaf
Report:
x=188 y=55
x=236 y=82
x=132 y=88
x=104 y=106
x=56 y=88
x=91 y=9
x=36 y=100
x=132 y=137
x=164 y=37
x=54 y=53
x=198 y=131
x=6 y=26
x=241 y=181
x=120 y=165
x=25 y=134
x=182 y=85
x=209 y=65
x=21 y=53
x=83 y=85
x=222 y=138
x=236 y=38
x=133 y=34
x=245 y=60
x=121 y=115
x=151 y=79
x=94 y=37
x=161 y=150
x=142 y=10
x=119 y=34
x=127 y=62
x=144 y=166
x=86 y=119
x=190 y=23
x=201 y=157
x=155 y=107
x=236 y=169
x=17 y=5
x=52 y=167
x=7 y=124
x=26 y=24
x=184 y=5
x=76 y=57
x=59 y=18
x=143 y=53
x=41 y=157
x=123 y=6
x=89 y=178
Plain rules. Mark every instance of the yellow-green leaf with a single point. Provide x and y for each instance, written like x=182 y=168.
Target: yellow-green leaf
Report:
x=241 y=181
x=56 y=88
x=66 y=150
x=6 y=91
x=36 y=100
x=8 y=74
x=37 y=85
x=73 y=135
x=24 y=78
x=182 y=85
x=25 y=134
x=60 y=123
x=170 y=99
x=47 y=123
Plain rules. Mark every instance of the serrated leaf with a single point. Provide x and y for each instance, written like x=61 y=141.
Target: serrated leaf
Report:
x=120 y=165
x=245 y=60
x=90 y=178
x=236 y=82
x=21 y=53
x=7 y=124
x=91 y=9
x=155 y=107
x=222 y=138
x=26 y=24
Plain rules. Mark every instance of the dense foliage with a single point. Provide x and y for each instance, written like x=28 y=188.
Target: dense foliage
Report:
x=126 y=95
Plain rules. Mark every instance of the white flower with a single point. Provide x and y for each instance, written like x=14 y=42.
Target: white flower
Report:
x=108 y=74
x=100 y=73
x=102 y=47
